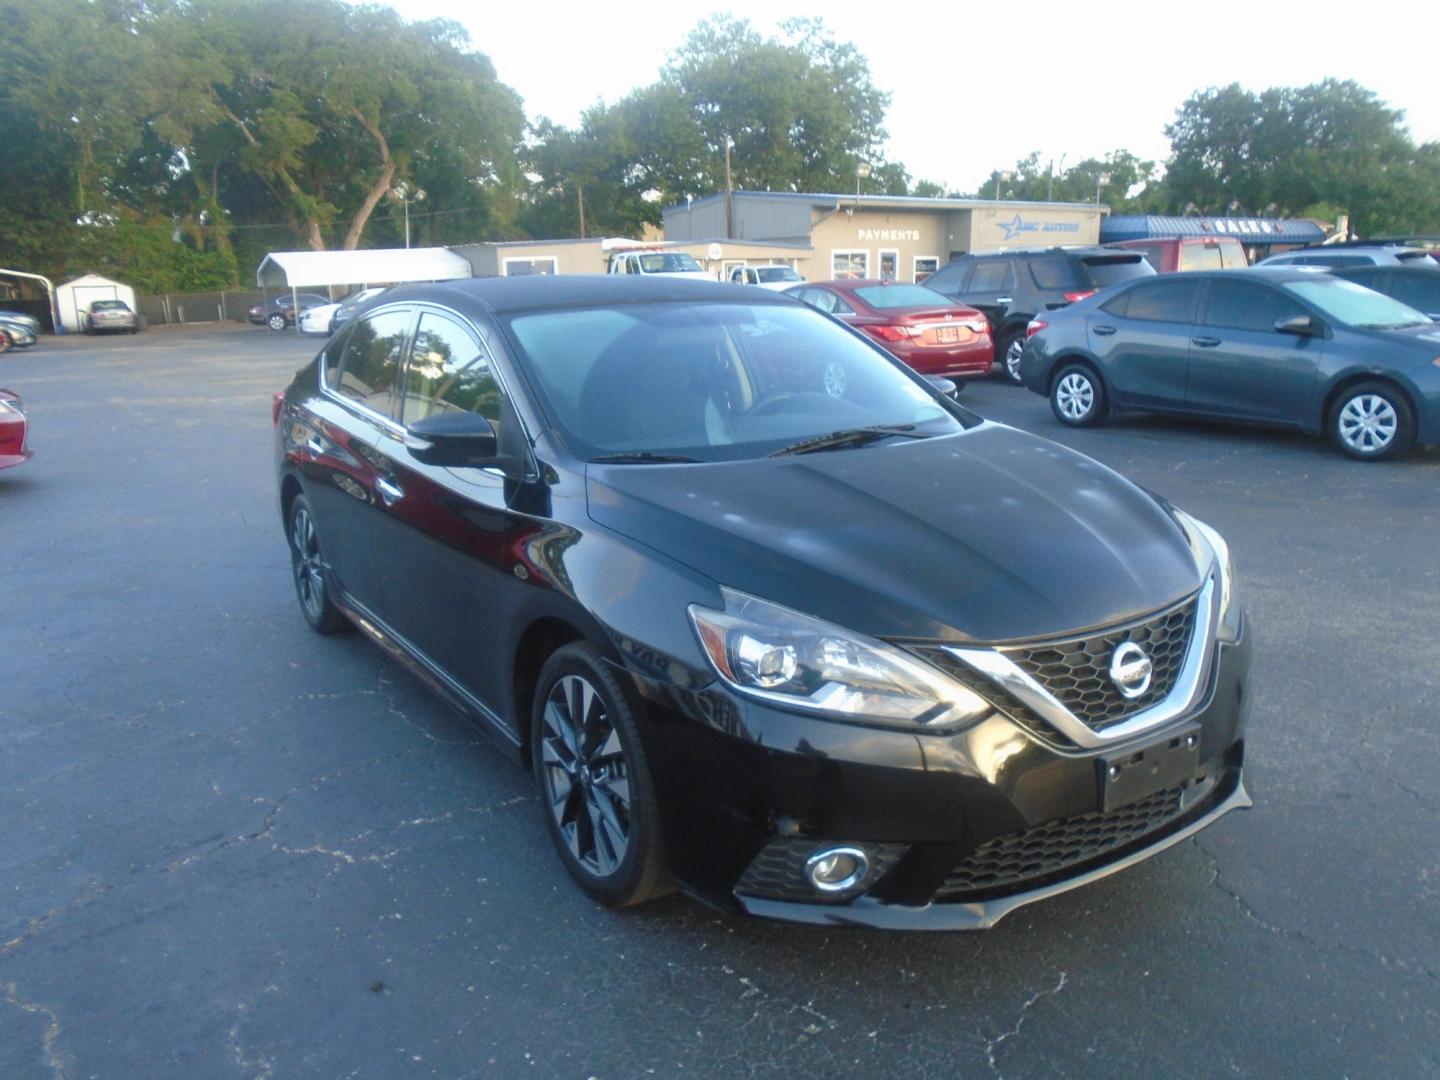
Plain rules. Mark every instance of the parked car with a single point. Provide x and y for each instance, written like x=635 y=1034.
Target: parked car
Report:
x=1175 y=254
x=1337 y=255
x=325 y=319
x=279 y=311
x=1012 y=287
x=1416 y=286
x=673 y=264
x=929 y=332
x=110 y=317
x=14 y=429
x=812 y=656
x=353 y=303
x=1283 y=346
x=778 y=278
x=17 y=330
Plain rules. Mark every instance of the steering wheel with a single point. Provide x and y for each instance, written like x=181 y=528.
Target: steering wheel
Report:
x=769 y=404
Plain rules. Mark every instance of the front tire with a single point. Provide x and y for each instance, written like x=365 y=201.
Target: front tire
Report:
x=1077 y=396
x=276 y=321
x=594 y=780
x=309 y=571
x=1372 y=421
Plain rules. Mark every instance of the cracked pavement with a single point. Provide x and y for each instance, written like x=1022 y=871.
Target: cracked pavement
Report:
x=234 y=848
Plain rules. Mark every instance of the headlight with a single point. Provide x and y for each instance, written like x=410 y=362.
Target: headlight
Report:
x=1214 y=543
x=769 y=652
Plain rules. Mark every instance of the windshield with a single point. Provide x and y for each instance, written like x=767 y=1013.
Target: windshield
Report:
x=885 y=297
x=1356 y=305
x=776 y=273
x=713 y=382
x=670 y=262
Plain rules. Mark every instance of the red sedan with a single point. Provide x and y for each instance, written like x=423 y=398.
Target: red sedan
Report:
x=13 y=450
x=929 y=332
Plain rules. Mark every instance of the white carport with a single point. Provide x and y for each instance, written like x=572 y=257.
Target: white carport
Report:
x=298 y=270
x=73 y=299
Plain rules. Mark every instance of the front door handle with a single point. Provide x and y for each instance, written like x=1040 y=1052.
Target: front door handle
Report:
x=390 y=492
x=1103 y=331
x=1205 y=342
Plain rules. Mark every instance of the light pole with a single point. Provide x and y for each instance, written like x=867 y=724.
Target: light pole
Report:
x=1007 y=177
x=862 y=172
x=402 y=192
x=1050 y=190
x=1100 y=181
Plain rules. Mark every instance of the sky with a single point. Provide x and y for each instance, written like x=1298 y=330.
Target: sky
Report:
x=978 y=87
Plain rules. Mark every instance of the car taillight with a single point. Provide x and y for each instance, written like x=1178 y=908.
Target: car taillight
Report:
x=1034 y=326
x=895 y=332
x=976 y=326
x=1072 y=297
x=276 y=406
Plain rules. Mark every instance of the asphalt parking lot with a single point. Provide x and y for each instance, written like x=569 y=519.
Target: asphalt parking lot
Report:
x=234 y=848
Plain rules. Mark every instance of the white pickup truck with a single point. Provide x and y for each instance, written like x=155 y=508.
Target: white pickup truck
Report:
x=777 y=278
x=669 y=263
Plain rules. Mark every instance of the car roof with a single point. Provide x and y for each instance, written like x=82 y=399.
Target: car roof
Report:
x=502 y=295
x=1081 y=249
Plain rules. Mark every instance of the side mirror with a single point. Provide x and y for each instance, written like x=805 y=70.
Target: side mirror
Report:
x=1302 y=325
x=944 y=385
x=454 y=439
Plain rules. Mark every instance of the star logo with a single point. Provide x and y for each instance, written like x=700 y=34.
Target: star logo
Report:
x=1013 y=228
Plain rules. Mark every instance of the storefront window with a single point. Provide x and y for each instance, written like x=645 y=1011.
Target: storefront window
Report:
x=889 y=265
x=925 y=265
x=849 y=265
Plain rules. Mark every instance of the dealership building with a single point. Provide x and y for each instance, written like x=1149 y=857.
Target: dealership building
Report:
x=878 y=236
x=820 y=236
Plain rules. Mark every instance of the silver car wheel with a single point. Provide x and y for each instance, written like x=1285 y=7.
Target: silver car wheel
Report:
x=1074 y=396
x=1012 y=359
x=1368 y=423
x=835 y=379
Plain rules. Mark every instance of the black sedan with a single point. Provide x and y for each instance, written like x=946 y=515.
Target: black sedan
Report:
x=1295 y=348
x=799 y=645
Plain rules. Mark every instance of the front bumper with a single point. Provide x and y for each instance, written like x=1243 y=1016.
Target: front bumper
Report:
x=747 y=793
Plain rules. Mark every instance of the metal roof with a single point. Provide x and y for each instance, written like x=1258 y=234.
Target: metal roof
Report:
x=374 y=266
x=1247 y=230
x=830 y=200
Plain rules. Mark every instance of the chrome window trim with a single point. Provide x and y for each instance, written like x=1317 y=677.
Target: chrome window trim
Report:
x=1189 y=688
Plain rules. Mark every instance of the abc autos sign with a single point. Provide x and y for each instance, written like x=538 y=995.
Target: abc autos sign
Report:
x=1018 y=227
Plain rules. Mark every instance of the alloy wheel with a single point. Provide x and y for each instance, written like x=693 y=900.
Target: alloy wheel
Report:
x=835 y=379
x=307 y=564
x=1368 y=423
x=1012 y=359
x=1074 y=396
x=586 y=777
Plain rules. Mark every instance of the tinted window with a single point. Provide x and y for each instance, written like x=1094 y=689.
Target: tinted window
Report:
x=371 y=361
x=448 y=372
x=1106 y=270
x=991 y=275
x=1163 y=301
x=1420 y=291
x=950 y=279
x=1242 y=305
x=1335 y=260
x=1055 y=272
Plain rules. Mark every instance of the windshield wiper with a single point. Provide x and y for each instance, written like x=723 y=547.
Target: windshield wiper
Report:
x=850 y=437
x=642 y=457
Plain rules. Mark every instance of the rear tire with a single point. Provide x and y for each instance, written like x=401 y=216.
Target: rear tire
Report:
x=1372 y=421
x=310 y=572
x=594 y=780
x=1077 y=396
x=276 y=321
x=1007 y=355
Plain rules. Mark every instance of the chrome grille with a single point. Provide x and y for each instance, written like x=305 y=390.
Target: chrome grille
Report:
x=1077 y=671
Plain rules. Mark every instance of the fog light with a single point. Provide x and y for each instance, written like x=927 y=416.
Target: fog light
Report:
x=836 y=869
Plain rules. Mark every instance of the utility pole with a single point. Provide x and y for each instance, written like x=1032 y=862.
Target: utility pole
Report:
x=580 y=190
x=729 y=194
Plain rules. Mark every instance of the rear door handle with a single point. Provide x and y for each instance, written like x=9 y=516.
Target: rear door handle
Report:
x=1103 y=331
x=1205 y=342
x=390 y=492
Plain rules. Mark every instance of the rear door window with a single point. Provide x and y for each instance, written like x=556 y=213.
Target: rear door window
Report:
x=1244 y=305
x=370 y=364
x=1168 y=300
x=990 y=276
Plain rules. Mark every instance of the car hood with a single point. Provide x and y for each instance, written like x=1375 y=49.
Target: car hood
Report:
x=988 y=535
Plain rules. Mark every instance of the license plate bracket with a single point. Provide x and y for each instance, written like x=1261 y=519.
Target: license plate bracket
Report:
x=946 y=335
x=1130 y=775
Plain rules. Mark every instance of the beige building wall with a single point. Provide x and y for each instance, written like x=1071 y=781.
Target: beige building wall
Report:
x=1007 y=227
x=878 y=243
